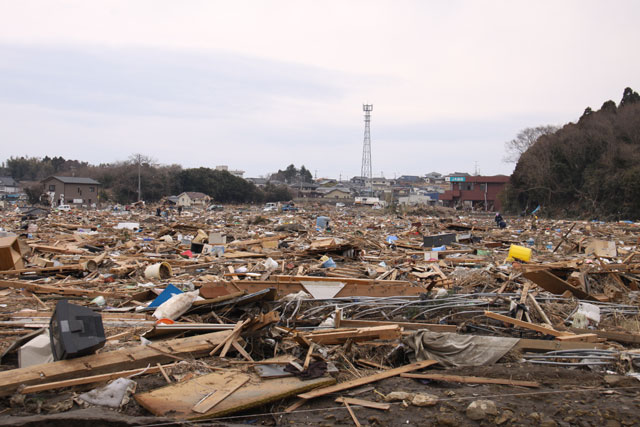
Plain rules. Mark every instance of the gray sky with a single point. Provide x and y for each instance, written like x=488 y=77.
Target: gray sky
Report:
x=258 y=85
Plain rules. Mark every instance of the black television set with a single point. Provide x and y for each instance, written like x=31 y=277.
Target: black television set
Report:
x=75 y=331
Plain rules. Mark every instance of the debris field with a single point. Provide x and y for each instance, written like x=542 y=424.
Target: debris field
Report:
x=320 y=316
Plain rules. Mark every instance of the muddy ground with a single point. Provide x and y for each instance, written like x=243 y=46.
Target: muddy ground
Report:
x=566 y=397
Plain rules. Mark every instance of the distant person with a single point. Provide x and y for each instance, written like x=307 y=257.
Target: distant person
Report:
x=179 y=210
x=500 y=222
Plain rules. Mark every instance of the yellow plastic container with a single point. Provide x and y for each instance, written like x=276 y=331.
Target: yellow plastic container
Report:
x=520 y=253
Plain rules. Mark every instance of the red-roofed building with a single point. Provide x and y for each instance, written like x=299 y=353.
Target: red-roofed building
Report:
x=477 y=192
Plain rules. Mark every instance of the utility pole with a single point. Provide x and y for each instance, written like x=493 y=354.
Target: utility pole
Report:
x=139 y=186
x=138 y=158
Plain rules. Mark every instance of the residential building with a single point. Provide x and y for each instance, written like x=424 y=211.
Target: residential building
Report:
x=414 y=199
x=335 y=193
x=409 y=180
x=474 y=192
x=433 y=178
x=71 y=190
x=8 y=186
x=359 y=181
x=193 y=198
x=380 y=183
x=234 y=172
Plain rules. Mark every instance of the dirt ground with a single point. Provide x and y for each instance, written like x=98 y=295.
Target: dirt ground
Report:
x=566 y=397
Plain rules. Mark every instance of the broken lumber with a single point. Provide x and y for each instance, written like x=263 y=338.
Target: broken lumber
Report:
x=552 y=283
x=234 y=382
x=339 y=336
x=348 y=323
x=623 y=337
x=471 y=380
x=46 y=289
x=364 y=403
x=108 y=362
x=369 y=379
x=177 y=400
x=525 y=325
x=89 y=380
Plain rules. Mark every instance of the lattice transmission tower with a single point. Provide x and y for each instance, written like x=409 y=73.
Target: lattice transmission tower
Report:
x=366 y=171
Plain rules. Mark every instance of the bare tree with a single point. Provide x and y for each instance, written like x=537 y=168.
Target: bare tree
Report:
x=525 y=139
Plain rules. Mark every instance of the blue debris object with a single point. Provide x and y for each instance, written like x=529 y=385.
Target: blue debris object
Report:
x=391 y=239
x=322 y=222
x=168 y=292
x=330 y=263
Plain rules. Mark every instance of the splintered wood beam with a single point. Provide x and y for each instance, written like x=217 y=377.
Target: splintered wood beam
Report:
x=110 y=361
x=364 y=403
x=89 y=380
x=348 y=323
x=471 y=380
x=369 y=379
x=47 y=289
x=525 y=325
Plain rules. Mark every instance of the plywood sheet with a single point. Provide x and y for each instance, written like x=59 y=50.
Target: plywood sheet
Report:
x=176 y=400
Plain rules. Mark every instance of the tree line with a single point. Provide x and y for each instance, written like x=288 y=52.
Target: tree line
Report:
x=589 y=169
x=120 y=180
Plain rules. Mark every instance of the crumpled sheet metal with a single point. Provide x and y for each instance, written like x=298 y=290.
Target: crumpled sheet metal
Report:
x=451 y=349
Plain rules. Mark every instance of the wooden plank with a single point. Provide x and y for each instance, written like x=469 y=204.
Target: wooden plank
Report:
x=234 y=382
x=623 y=337
x=374 y=289
x=523 y=300
x=35 y=270
x=364 y=403
x=307 y=359
x=581 y=337
x=525 y=325
x=164 y=374
x=368 y=379
x=540 y=310
x=353 y=415
x=471 y=380
x=295 y=405
x=110 y=361
x=46 y=289
x=88 y=380
x=526 y=344
x=176 y=400
x=242 y=351
x=348 y=323
x=552 y=283
x=338 y=336
x=218 y=299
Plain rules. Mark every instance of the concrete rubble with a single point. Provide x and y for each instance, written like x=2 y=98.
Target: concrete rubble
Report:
x=363 y=316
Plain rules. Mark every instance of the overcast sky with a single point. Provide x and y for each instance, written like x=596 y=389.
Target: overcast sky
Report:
x=257 y=85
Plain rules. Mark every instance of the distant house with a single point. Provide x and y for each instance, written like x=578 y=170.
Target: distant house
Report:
x=418 y=199
x=8 y=186
x=474 y=192
x=234 y=172
x=359 y=181
x=71 y=190
x=380 y=183
x=193 y=198
x=170 y=200
x=305 y=189
x=324 y=182
x=409 y=180
x=335 y=193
